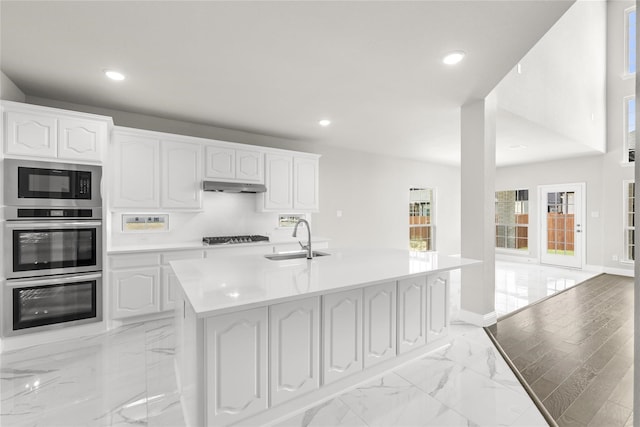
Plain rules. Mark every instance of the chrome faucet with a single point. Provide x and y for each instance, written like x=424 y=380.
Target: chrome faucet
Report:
x=308 y=246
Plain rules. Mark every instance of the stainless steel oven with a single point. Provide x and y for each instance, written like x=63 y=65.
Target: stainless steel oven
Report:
x=30 y=183
x=52 y=247
x=52 y=302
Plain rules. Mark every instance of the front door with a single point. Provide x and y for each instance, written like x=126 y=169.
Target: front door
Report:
x=562 y=225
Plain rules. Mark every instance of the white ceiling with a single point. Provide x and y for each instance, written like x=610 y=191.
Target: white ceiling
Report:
x=275 y=68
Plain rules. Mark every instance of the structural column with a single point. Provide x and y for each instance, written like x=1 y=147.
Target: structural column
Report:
x=478 y=170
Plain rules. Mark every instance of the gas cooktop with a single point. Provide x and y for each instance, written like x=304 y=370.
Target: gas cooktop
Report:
x=225 y=240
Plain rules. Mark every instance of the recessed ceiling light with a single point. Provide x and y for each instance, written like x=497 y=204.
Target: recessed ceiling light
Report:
x=453 y=57
x=114 y=75
x=324 y=122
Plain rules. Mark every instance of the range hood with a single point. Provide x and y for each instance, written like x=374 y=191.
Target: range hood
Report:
x=233 y=187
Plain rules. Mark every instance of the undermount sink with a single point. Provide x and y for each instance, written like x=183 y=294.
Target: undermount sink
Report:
x=293 y=255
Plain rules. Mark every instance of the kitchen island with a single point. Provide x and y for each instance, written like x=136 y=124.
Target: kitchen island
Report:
x=257 y=338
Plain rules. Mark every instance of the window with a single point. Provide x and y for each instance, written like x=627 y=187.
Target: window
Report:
x=629 y=220
x=421 y=227
x=630 y=41
x=512 y=219
x=630 y=128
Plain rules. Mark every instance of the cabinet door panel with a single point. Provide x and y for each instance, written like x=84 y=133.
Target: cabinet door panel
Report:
x=278 y=182
x=181 y=175
x=236 y=363
x=305 y=184
x=294 y=329
x=136 y=172
x=31 y=134
x=220 y=163
x=342 y=334
x=81 y=139
x=249 y=166
x=437 y=307
x=135 y=292
x=379 y=323
x=412 y=324
x=168 y=289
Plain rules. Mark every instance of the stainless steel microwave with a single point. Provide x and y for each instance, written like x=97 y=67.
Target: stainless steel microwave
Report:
x=30 y=183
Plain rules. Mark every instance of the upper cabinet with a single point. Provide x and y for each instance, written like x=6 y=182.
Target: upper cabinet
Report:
x=152 y=171
x=41 y=132
x=225 y=163
x=291 y=181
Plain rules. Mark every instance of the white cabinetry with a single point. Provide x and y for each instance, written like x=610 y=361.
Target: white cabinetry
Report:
x=136 y=165
x=379 y=323
x=144 y=283
x=225 y=163
x=236 y=358
x=151 y=172
x=342 y=334
x=33 y=131
x=305 y=183
x=181 y=175
x=292 y=183
x=134 y=284
x=135 y=292
x=412 y=324
x=279 y=182
x=294 y=333
x=437 y=306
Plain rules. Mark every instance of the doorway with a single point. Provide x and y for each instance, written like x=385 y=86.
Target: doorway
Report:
x=562 y=231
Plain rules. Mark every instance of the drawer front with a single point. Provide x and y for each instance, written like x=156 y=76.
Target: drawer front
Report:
x=167 y=257
x=133 y=260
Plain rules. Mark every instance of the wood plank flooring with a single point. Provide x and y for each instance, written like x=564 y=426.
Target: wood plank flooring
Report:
x=575 y=351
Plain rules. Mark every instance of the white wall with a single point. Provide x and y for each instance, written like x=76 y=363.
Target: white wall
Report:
x=9 y=91
x=372 y=191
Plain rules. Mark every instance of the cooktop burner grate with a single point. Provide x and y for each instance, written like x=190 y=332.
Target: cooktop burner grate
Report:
x=225 y=240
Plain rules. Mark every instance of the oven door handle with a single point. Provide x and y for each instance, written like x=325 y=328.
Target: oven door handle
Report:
x=52 y=280
x=51 y=224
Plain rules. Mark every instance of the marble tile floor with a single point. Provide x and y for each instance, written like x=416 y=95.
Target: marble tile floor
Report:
x=125 y=378
x=521 y=284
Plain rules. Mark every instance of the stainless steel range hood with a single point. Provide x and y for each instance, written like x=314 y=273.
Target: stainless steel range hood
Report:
x=233 y=187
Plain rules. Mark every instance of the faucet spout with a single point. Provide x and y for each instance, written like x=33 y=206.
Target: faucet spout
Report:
x=308 y=246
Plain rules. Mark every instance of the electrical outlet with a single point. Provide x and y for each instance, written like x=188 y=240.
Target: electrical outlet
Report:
x=614 y=257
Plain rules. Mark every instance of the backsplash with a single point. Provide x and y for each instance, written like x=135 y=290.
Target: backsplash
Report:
x=223 y=214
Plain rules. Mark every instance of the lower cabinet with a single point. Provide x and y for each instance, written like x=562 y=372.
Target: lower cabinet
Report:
x=379 y=323
x=342 y=337
x=257 y=359
x=144 y=283
x=412 y=314
x=437 y=306
x=236 y=365
x=135 y=292
x=294 y=335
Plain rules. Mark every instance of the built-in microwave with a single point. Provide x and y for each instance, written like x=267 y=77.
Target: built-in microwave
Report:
x=30 y=183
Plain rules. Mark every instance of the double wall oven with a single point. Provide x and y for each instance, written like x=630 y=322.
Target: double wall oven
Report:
x=52 y=246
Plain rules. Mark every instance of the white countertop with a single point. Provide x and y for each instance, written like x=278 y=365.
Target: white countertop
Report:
x=197 y=244
x=229 y=282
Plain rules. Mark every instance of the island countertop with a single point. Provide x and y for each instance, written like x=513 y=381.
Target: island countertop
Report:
x=226 y=283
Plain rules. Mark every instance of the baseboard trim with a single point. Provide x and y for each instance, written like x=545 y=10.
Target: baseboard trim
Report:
x=482 y=320
x=619 y=271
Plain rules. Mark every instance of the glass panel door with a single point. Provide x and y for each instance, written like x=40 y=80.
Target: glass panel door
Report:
x=562 y=231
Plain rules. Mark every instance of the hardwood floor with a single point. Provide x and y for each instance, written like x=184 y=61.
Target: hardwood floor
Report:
x=575 y=351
